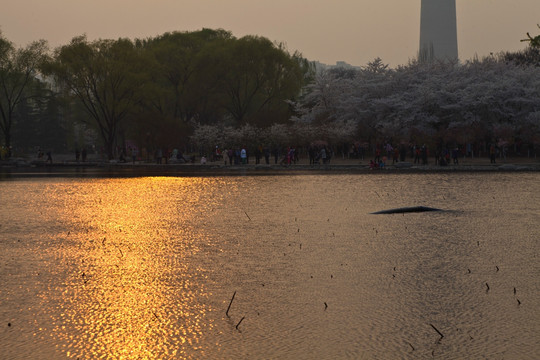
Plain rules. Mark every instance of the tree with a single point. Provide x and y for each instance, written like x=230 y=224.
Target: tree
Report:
x=106 y=76
x=258 y=78
x=209 y=77
x=533 y=41
x=40 y=123
x=18 y=70
x=437 y=101
x=181 y=69
x=528 y=56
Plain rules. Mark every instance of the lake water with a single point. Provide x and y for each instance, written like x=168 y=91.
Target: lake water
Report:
x=131 y=268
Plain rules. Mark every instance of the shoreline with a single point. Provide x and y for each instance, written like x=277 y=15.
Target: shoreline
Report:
x=340 y=166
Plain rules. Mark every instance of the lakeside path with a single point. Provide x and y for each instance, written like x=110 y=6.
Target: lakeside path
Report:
x=64 y=166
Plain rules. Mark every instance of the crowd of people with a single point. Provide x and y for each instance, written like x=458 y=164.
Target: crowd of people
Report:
x=318 y=153
x=377 y=156
x=241 y=155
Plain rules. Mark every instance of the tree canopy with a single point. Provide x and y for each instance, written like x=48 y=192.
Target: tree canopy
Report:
x=19 y=68
x=208 y=86
x=167 y=84
x=469 y=102
x=106 y=76
x=533 y=41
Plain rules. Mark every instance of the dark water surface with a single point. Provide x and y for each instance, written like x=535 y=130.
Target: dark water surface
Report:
x=132 y=268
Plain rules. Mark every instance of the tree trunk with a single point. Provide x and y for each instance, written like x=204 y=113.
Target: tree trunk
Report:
x=109 y=148
x=7 y=141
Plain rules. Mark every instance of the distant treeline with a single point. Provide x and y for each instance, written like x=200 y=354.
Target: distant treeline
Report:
x=208 y=88
x=474 y=104
x=152 y=91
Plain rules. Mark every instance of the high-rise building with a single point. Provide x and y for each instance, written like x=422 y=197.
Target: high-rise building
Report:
x=438 y=30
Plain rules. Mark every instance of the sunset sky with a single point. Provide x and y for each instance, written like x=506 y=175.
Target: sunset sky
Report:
x=355 y=31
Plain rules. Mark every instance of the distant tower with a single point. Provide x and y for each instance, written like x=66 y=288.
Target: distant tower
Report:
x=438 y=30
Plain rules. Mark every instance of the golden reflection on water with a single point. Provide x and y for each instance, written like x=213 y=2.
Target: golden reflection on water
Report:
x=145 y=268
x=130 y=292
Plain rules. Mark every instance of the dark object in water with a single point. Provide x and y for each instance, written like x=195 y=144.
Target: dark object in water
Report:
x=407 y=210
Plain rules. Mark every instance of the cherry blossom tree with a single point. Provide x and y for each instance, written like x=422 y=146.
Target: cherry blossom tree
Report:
x=440 y=101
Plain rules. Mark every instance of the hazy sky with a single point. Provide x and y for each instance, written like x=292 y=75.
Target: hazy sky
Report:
x=355 y=31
